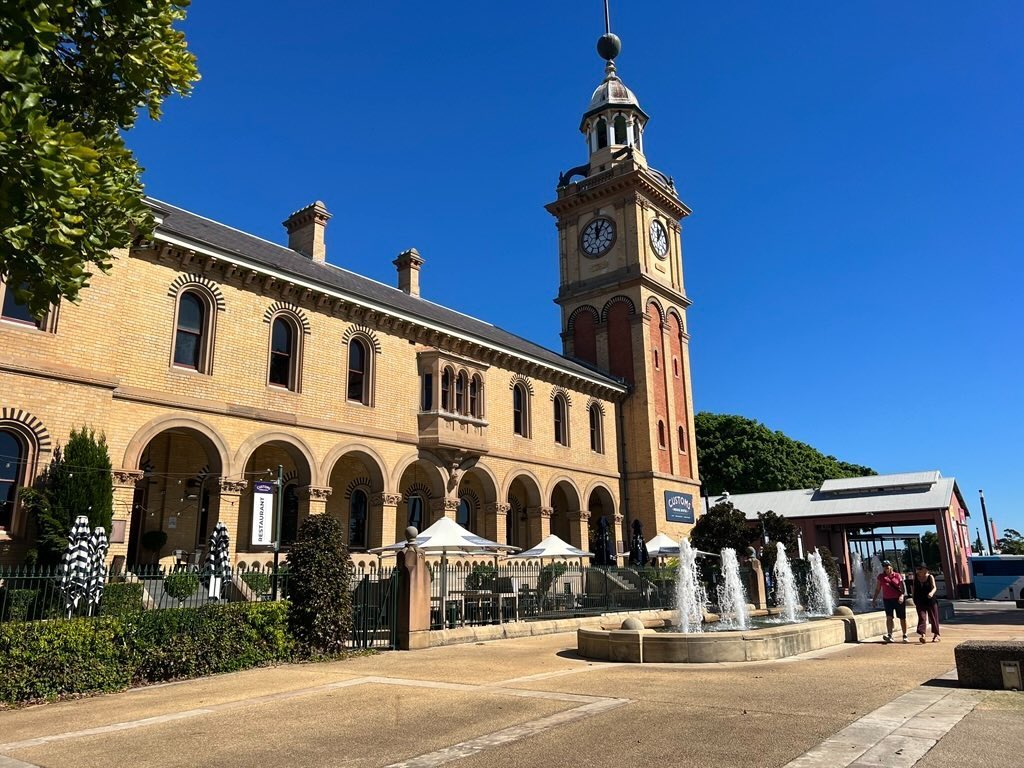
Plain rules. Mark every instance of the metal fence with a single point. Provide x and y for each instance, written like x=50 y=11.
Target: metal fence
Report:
x=34 y=593
x=481 y=593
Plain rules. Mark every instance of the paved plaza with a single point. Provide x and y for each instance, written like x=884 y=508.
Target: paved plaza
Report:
x=534 y=702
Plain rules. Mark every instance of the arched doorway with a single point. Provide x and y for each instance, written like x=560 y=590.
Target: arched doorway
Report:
x=422 y=497
x=355 y=479
x=564 y=502
x=477 y=508
x=262 y=466
x=523 y=496
x=600 y=504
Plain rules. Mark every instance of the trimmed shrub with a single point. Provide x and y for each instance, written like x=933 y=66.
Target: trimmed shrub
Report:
x=121 y=599
x=154 y=540
x=192 y=642
x=258 y=582
x=18 y=603
x=44 y=659
x=181 y=585
x=320 y=575
x=481 y=577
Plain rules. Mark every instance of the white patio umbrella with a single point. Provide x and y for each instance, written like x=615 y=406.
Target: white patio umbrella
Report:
x=446 y=537
x=98 y=544
x=552 y=547
x=76 y=564
x=662 y=546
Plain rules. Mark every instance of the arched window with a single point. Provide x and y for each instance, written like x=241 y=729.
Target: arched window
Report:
x=620 y=129
x=681 y=435
x=427 y=392
x=416 y=506
x=464 y=515
x=520 y=420
x=656 y=365
x=357 y=520
x=561 y=421
x=12 y=462
x=460 y=393
x=446 y=389
x=475 y=400
x=602 y=133
x=283 y=354
x=596 y=430
x=290 y=514
x=189 y=336
x=661 y=434
x=358 y=373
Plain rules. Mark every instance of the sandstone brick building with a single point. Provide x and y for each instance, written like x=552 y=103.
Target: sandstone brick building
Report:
x=208 y=357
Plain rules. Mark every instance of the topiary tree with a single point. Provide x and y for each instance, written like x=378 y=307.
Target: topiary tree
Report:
x=320 y=576
x=777 y=529
x=77 y=482
x=830 y=565
x=722 y=526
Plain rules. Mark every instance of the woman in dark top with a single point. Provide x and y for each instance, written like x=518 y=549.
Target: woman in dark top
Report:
x=925 y=602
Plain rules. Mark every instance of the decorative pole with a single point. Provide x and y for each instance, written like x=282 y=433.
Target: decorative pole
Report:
x=277 y=524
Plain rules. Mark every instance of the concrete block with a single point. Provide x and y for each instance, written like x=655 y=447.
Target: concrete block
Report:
x=978 y=662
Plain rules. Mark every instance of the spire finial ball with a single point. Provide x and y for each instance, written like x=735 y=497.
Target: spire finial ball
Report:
x=609 y=46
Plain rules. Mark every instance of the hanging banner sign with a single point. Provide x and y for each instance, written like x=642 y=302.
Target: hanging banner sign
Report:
x=262 y=514
x=678 y=507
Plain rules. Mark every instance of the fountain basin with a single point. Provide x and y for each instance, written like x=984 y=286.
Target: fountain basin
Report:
x=763 y=644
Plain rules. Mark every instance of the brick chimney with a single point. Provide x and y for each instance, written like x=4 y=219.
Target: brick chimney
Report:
x=306 y=231
x=408 y=264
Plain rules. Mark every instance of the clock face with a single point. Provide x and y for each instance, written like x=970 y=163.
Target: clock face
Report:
x=659 y=239
x=598 y=237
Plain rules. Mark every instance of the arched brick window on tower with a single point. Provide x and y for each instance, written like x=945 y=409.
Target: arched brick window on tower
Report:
x=661 y=434
x=681 y=439
x=194 y=331
x=584 y=336
x=620 y=340
x=520 y=410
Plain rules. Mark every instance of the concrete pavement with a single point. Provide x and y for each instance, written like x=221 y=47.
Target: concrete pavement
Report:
x=533 y=701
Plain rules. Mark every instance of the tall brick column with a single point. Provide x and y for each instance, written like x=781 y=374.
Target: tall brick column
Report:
x=538 y=525
x=446 y=507
x=579 y=528
x=495 y=515
x=312 y=501
x=125 y=483
x=383 y=520
x=229 y=511
x=413 y=596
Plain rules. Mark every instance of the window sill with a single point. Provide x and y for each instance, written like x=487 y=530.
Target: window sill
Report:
x=21 y=325
x=187 y=371
x=282 y=390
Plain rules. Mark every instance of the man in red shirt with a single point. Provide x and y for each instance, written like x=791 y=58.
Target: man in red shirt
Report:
x=894 y=598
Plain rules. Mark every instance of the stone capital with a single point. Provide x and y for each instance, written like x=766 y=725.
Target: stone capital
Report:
x=380 y=500
x=580 y=514
x=536 y=512
x=314 y=492
x=127 y=478
x=233 y=486
x=497 y=508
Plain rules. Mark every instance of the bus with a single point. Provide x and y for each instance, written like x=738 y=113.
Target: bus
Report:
x=998 y=577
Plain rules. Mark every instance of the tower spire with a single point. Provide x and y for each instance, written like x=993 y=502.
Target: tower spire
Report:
x=608 y=45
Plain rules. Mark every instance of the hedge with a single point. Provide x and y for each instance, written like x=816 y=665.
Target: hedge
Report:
x=121 y=599
x=46 y=659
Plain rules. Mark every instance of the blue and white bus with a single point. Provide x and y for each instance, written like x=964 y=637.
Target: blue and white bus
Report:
x=998 y=577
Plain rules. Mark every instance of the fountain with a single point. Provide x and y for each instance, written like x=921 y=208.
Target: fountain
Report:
x=820 y=599
x=732 y=597
x=876 y=569
x=691 y=598
x=786 y=595
x=861 y=591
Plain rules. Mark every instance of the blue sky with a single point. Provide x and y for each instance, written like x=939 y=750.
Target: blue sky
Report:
x=856 y=174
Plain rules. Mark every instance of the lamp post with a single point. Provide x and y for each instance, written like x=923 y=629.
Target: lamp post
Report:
x=277 y=526
x=988 y=528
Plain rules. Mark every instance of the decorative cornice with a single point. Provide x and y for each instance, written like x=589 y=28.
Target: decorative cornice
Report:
x=497 y=508
x=380 y=500
x=315 y=493
x=127 y=478
x=233 y=486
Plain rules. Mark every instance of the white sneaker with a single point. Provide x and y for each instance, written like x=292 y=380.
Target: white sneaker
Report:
x=905 y=639
x=886 y=638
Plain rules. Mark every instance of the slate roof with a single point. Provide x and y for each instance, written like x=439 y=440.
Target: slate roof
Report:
x=197 y=229
x=877 y=497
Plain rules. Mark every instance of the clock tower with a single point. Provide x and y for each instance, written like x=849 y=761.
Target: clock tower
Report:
x=624 y=303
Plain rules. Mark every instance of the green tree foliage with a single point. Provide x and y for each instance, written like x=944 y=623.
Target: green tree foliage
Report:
x=722 y=526
x=320 y=570
x=741 y=455
x=1012 y=543
x=73 y=76
x=830 y=564
x=926 y=551
x=77 y=482
x=777 y=529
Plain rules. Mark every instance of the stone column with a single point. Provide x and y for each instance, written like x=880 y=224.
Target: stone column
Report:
x=579 y=528
x=495 y=517
x=229 y=511
x=383 y=520
x=756 y=592
x=125 y=483
x=312 y=501
x=538 y=525
x=621 y=544
x=413 y=597
x=446 y=507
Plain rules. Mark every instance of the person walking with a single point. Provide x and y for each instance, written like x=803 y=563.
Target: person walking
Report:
x=894 y=598
x=926 y=603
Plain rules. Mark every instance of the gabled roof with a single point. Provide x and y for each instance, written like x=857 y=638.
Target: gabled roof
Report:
x=905 y=492
x=178 y=224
